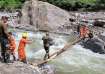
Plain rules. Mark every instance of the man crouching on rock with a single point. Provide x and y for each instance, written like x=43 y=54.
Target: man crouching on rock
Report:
x=85 y=32
x=47 y=42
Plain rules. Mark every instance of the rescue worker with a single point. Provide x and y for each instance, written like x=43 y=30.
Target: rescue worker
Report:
x=84 y=31
x=21 y=48
x=12 y=45
x=4 y=39
x=47 y=42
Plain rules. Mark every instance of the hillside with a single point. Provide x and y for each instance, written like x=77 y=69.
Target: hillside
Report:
x=74 y=5
x=11 y=4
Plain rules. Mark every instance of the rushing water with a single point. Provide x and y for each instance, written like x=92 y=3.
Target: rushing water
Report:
x=77 y=60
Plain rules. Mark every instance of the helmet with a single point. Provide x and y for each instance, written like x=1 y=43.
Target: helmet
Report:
x=25 y=34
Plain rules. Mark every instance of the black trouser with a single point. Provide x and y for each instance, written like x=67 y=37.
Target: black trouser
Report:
x=47 y=53
x=3 y=55
x=4 y=49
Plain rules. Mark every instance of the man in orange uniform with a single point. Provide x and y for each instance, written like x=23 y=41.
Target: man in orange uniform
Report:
x=84 y=31
x=12 y=45
x=21 y=48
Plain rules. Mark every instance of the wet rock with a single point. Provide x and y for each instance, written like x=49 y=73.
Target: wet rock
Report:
x=17 y=68
x=102 y=37
x=95 y=44
x=48 y=69
x=99 y=23
x=21 y=68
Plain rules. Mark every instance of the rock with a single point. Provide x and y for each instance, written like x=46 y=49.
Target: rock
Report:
x=95 y=44
x=99 y=23
x=44 y=15
x=102 y=37
x=21 y=68
x=17 y=68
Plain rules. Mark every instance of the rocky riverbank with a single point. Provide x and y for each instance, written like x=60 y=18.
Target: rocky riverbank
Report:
x=21 y=68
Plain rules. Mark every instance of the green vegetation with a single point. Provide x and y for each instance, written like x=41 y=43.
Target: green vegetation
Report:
x=75 y=5
x=11 y=4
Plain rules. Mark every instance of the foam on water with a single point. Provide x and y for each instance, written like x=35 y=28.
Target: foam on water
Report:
x=80 y=60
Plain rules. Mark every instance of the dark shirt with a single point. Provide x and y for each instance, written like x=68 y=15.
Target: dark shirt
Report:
x=46 y=41
x=2 y=32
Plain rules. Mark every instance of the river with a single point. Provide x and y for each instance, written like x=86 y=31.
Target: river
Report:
x=77 y=60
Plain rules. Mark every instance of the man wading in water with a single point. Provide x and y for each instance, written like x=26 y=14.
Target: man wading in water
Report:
x=4 y=39
x=47 y=42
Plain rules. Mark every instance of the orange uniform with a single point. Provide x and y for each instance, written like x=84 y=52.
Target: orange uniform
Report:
x=21 y=49
x=12 y=44
x=84 y=31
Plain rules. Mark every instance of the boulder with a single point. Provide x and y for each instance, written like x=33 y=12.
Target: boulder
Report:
x=99 y=23
x=44 y=15
x=21 y=68
x=95 y=44
x=102 y=37
x=17 y=68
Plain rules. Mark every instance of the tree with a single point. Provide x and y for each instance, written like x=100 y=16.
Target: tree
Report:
x=11 y=4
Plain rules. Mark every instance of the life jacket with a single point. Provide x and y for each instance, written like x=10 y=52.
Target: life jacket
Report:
x=81 y=32
x=12 y=44
x=84 y=31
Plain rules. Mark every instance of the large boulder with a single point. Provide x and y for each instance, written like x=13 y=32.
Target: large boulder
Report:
x=95 y=44
x=43 y=15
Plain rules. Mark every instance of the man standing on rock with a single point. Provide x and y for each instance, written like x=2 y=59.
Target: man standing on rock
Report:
x=4 y=39
x=47 y=42
x=12 y=45
x=21 y=48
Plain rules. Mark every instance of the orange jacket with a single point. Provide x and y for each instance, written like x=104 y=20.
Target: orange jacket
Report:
x=84 y=31
x=12 y=44
x=21 y=49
